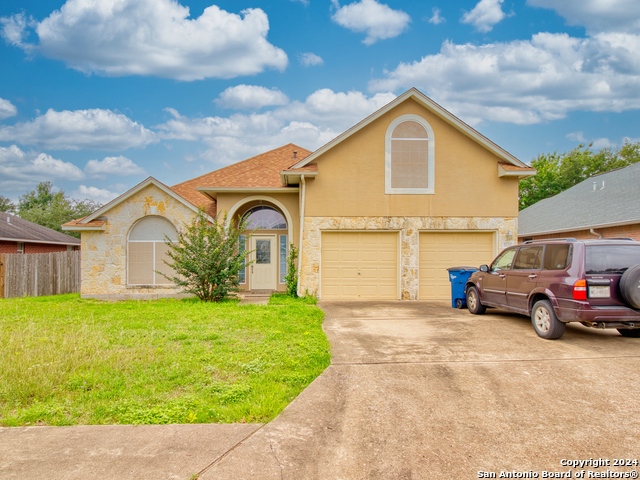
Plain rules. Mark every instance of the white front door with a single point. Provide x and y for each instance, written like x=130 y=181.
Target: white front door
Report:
x=264 y=267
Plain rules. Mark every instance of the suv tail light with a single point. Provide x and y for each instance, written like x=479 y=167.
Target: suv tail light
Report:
x=580 y=290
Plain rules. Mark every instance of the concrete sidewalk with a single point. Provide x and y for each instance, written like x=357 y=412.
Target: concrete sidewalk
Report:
x=415 y=391
x=116 y=451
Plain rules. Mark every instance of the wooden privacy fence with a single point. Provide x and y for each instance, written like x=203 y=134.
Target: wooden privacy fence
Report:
x=39 y=274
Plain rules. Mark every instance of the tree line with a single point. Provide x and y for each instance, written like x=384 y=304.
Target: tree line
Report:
x=557 y=172
x=50 y=209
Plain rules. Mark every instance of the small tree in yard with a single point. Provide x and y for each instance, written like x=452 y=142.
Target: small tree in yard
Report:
x=292 y=275
x=206 y=258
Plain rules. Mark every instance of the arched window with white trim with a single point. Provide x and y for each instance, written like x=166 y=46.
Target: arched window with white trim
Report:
x=147 y=249
x=409 y=156
x=264 y=217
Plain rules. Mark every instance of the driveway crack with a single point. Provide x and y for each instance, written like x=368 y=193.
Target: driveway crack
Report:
x=221 y=457
x=277 y=460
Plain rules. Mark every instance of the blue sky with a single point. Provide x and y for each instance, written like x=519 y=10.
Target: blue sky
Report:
x=96 y=95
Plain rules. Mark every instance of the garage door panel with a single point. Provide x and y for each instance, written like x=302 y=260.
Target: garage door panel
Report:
x=359 y=265
x=442 y=250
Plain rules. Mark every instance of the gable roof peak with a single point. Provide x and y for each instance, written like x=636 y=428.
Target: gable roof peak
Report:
x=433 y=107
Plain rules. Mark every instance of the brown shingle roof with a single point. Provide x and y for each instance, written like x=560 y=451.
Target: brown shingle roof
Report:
x=20 y=230
x=260 y=171
x=76 y=223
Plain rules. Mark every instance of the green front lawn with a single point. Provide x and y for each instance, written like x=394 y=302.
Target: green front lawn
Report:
x=69 y=361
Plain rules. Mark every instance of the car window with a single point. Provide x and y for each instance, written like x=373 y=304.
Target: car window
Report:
x=528 y=258
x=556 y=257
x=504 y=260
x=611 y=258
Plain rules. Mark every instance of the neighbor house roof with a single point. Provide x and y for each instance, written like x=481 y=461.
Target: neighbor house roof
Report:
x=605 y=200
x=16 y=229
x=515 y=167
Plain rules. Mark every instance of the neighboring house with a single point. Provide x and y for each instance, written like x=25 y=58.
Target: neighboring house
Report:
x=605 y=205
x=21 y=236
x=379 y=212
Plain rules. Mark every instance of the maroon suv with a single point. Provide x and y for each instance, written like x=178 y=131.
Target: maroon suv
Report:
x=556 y=281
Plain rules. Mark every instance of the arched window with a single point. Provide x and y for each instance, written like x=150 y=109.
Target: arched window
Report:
x=265 y=218
x=147 y=248
x=409 y=156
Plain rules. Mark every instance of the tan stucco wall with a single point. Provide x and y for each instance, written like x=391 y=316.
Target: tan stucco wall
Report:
x=351 y=176
x=104 y=253
x=409 y=228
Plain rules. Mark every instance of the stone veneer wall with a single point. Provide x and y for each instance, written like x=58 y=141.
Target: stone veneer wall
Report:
x=104 y=253
x=409 y=228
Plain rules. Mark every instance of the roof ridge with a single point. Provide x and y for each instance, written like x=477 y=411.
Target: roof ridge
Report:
x=241 y=162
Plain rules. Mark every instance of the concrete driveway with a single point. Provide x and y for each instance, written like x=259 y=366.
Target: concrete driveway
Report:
x=423 y=391
x=415 y=391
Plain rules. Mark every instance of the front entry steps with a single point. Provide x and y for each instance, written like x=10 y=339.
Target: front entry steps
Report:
x=256 y=297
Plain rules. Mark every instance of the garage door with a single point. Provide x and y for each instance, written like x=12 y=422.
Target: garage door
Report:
x=440 y=250
x=359 y=265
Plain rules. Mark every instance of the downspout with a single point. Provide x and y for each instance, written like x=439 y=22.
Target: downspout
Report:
x=303 y=192
x=593 y=232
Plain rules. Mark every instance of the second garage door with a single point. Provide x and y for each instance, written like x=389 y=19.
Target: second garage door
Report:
x=359 y=265
x=442 y=250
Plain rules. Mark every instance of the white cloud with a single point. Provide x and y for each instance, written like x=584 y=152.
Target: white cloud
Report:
x=436 y=19
x=309 y=59
x=100 y=195
x=73 y=130
x=377 y=20
x=13 y=29
x=17 y=165
x=527 y=82
x=311 y=123
x=251 y=97
x=153 y=37
x=597 y=15
x=113 y=166
x=485 y=15
x=7 y=109
x=595 y=143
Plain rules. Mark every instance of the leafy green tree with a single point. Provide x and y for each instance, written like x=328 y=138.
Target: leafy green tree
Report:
x=51 y=209
x=207 y=258
x=558 y=172
x=7 y=205
x=291 y=278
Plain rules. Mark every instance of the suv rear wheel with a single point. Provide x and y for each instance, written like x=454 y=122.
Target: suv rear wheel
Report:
x=630 y=286
x=545 y=322
x=473 y=301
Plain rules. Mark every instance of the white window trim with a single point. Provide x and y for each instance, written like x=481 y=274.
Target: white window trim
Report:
x=429 y=190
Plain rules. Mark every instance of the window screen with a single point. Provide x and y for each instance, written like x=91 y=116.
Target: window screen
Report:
x=147 y=251
x=409 y=156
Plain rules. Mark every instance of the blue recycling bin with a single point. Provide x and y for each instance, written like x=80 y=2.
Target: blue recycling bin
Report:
x=458 y=277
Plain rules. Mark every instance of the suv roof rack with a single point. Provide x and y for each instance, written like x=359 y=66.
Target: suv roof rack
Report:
x=569 y=239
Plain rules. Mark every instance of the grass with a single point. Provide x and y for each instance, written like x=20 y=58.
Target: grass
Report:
x=70 y=361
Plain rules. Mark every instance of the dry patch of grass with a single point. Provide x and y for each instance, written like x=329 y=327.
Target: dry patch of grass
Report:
x=69 y=361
